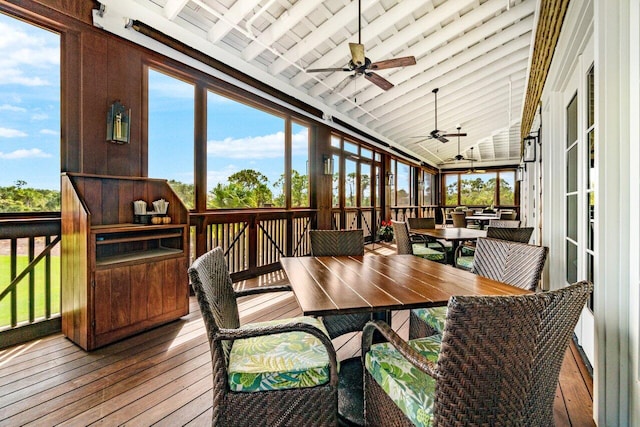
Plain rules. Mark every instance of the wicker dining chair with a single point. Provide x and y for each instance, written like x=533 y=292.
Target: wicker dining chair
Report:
x=427 y=223
x=497 y=363
x=459 y=219
x=464 y=255
x=517 y=264
x=406 y=246
x=281 y=372
x=340 y=243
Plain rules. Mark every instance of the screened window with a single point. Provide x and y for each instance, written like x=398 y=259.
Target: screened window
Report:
x=404 y=185
x=170 y=133
x=477 y=189
x=245 y=155
x=30 y=119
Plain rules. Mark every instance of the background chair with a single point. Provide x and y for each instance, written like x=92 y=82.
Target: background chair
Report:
x=295 y=385
x=459 y=219
x=405 y=246
x=428 y=223
x=508 y=215
x=488 y=367
x=464 y=255
x=340 y=243
x=517 y=264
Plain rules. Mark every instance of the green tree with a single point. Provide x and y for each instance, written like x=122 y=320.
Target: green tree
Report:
x=245 y=189
x=186 y=192
x=299 y=190
x=20 y=198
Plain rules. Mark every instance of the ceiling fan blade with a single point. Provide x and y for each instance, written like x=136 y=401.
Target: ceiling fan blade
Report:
x=345 y=82
x=454 y=134
x=357 y=53
x=327 y=70
x=442 y=139
x=379 y=81
x=395 y=62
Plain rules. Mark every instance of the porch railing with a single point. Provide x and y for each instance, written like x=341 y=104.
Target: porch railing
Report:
x=254 y=241
x=29 y=276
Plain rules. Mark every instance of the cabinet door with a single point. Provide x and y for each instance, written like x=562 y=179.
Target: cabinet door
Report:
x=112 y=303
x=176 y=288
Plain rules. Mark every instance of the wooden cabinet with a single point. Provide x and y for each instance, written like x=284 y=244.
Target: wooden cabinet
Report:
x=119 y=277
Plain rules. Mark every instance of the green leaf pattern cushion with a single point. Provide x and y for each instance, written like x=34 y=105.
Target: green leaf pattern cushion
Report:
x=433 y=316
x=465 y=262
x=419 y=249
x=410 y=388
x=279 y=361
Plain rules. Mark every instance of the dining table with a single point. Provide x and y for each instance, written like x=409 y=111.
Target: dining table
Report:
x=455 y=235
x=377 y=283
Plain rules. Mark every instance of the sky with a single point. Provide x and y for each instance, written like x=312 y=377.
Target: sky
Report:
x=29 y=105
x=239 y=136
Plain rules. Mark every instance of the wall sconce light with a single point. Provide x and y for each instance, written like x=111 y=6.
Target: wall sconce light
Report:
x=529 y=152
x=520 y=173
x=389 y=178
x=327 y=163
x=118 y=123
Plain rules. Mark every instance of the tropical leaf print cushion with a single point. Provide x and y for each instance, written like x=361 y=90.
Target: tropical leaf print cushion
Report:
x=410 y=388
x=432 y=316
x=279 y=361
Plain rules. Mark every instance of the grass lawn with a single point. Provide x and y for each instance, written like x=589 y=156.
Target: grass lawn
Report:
x=23 y=289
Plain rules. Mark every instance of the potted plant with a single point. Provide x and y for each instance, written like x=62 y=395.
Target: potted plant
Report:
x=386 y=231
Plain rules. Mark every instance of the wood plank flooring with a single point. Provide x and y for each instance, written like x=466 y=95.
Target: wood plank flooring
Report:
x=163 y=376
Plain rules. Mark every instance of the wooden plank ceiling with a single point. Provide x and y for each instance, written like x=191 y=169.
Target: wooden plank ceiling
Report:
x=475 y=51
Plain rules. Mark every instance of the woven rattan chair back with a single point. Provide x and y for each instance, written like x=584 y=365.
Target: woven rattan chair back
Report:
x=520 y=234
x=459 y=219
x=337 y=242
x=508 y=215
x=511 y=368
x=504 y=223
x=317 y=405
x=518 y=264
x=213 y=287
x=425 y=223
x=401 y=234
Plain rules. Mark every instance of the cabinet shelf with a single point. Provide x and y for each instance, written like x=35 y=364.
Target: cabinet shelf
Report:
x=138 y=256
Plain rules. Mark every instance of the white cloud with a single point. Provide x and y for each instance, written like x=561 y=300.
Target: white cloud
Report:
x=7 y=107
x=257 y=147
x=24 y=154
x=11 y=133
x=253 y=147
x=220 y=176
x=49 y=132
x=39 y=116
x=25 y=49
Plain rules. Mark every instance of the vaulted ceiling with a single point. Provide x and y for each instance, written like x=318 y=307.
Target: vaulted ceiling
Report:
x=476 y=52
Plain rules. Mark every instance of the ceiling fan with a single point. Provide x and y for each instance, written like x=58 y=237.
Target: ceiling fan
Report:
x=362 y=66
x=459 y=156
x=436 y=133
x=472 y=169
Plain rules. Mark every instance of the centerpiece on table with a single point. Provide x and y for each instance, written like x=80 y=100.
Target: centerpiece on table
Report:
x=386 y=231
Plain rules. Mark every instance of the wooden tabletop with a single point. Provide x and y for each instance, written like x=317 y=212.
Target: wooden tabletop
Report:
x=331 y=285
x=451 y=233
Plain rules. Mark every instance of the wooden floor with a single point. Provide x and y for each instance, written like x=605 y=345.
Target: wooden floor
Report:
x=163 y=376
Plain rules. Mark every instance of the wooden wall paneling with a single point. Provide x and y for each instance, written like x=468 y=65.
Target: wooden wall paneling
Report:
x=91 y=192
x=110 y=201
x=95 y=102
x=124 y=84
x=70 y=112
x=125 y=202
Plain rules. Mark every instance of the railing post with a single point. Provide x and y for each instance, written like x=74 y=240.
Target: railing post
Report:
x=253 y=241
